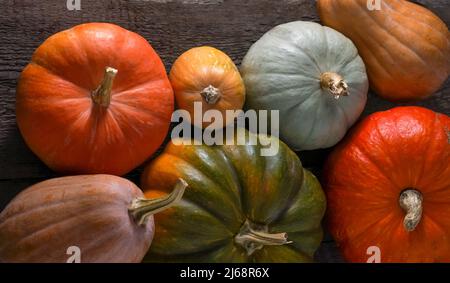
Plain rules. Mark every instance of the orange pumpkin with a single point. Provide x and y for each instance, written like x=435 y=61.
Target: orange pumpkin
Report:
x=406 y=48
x=388 y=186
x=208 y=76
x=94 y=99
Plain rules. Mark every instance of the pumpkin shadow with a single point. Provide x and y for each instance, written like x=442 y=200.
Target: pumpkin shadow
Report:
x=18 y=161
x=19 y=167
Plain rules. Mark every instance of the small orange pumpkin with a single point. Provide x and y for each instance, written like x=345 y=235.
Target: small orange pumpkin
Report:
x=207 y=75
x=94 y=99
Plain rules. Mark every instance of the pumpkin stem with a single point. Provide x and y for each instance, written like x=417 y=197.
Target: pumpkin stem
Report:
x=335 y=84
x=411 y=202
x=211 y=94
x=142 y=208
x=253 y=237
x=102 y=95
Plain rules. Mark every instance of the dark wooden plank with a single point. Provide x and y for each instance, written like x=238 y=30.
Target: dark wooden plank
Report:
x=10 y=188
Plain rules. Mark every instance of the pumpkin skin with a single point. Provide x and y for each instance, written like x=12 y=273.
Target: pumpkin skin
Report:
x=286 y=70
x=229 y=185
x=388 y=153
x=406 y=48
x=208 y=76
x=90 y=212
x=73 y=132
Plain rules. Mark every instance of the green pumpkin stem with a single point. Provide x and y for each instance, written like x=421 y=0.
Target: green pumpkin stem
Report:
x=334 y=84
x=254 y=237
x=102 y=95
x=411 y=202
x=142 y=208
x=211 y=94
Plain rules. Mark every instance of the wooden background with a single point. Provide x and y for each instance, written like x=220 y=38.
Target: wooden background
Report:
x=171 y=26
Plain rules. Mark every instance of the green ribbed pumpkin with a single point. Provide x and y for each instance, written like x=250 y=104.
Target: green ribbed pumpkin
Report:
x=240 y=206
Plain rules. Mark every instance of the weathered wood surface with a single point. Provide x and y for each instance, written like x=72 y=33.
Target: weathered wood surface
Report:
x=172 y=26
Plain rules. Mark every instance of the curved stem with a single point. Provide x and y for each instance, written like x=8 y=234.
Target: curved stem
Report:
x=254 y=237
x=102 y=95
x=335 y=84
x=141 y=208
x=211 y=94
x=411 y=202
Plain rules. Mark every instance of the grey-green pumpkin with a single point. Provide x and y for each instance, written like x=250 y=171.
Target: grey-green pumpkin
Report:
x=314 y=76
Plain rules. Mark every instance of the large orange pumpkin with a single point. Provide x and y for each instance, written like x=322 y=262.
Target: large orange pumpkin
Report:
x=388 y=187
x=209 y=77
x=406 y=48
x=94 y=99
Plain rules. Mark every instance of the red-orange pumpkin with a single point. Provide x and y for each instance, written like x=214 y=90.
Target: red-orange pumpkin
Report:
x=94 y=99
x=388 y=186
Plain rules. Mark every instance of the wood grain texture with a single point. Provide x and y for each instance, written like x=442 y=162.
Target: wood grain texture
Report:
x=172 y=27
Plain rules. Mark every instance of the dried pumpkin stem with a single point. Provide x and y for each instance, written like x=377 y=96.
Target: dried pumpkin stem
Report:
x=411 y=202
x=102 y=95
x=254 y=237
x=334 y=84
x=211 y=94
x=141 y=208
